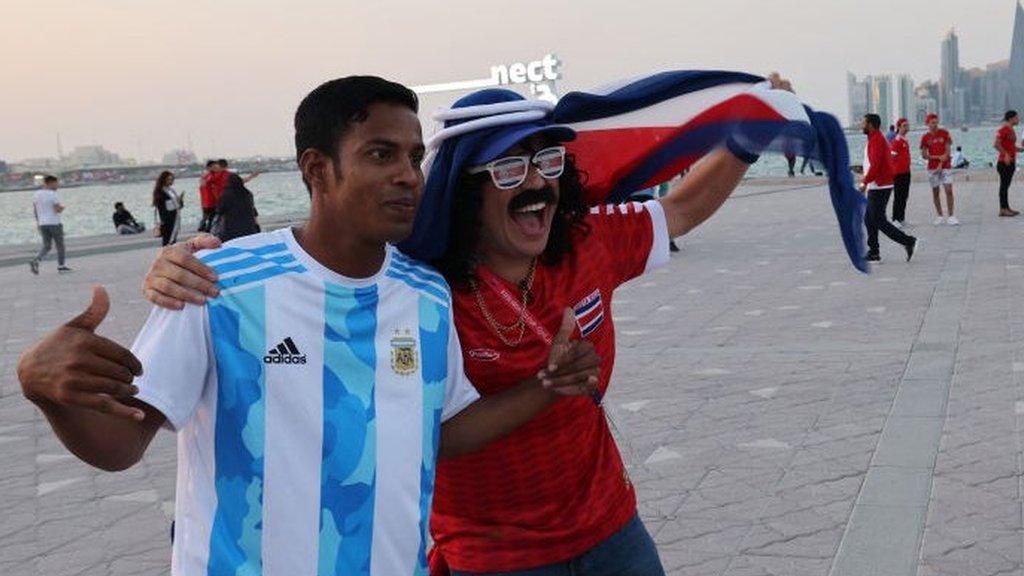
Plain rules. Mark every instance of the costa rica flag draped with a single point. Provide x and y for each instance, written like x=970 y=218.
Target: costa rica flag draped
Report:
x=642 y=132
x=634 y=135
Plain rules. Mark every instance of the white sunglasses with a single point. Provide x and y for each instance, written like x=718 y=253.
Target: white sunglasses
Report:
x=510 y=171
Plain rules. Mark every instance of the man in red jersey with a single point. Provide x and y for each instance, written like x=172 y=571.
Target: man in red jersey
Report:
x=206 y=196
x=553 y=497
x=936 y=148
x=1006 y=163
x=901 y=168
x=877 y=184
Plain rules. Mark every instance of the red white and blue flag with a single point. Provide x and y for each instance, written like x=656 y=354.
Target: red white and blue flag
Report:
x=589 y=313
x=642 y=132
x=637 y=134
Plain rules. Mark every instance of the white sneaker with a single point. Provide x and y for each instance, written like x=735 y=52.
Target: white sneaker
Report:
x=939 y=221
x=952 y=221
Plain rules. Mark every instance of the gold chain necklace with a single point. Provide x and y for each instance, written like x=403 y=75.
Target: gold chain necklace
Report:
x=518 y=328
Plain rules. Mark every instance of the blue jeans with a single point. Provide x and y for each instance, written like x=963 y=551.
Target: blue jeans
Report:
x=628 y=552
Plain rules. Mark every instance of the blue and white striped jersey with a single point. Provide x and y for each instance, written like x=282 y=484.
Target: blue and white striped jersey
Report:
x=308 y=408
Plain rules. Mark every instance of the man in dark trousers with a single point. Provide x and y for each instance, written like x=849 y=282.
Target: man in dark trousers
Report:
x=878 y=183
x=901 y=167
x=1006 y=164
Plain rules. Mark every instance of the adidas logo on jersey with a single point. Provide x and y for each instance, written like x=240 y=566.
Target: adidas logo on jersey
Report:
x=285 y=353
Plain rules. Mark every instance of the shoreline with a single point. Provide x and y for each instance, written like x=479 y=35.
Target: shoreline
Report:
x=19 y=253
x=78 y=246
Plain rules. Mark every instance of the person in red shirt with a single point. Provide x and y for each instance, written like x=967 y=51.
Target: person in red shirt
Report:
x=877 y=184
x=1006 y=163
x=901 y=168
x=207 y=200
x=936 y=148
x=553 y=497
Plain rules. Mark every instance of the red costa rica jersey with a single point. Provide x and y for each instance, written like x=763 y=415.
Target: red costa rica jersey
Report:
x=206 y=199
x=211 y=187
x=556 y=487
x=900 y=155
x=938 y=144
x=1007 y=138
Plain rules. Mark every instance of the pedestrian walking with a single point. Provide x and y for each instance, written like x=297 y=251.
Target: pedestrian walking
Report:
x=47 y=209
x=878 y=184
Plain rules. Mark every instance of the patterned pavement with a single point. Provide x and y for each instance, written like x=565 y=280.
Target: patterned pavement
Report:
x=781 y=414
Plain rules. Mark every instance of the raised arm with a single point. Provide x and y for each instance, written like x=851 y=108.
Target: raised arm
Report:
x=702 y=191
x=706 y=187
x=82 y=384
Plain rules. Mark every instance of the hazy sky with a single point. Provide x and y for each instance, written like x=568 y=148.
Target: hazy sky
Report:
x=141 y=76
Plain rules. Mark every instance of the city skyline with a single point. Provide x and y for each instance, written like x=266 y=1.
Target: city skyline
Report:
x=961 y=95
x=144 y=79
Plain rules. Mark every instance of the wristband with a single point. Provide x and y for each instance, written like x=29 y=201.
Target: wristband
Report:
x=738 y=151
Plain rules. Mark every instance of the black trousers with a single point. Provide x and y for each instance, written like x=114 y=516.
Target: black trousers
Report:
x=876 y=221
x=1005 y=177
x=168 y=227
x=901 y=191
x=204 y=224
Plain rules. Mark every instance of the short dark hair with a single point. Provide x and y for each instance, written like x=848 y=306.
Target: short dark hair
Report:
x=118 y=205
x=49 y=179
x=223 y=163
x=211 y=163
x=874 y=120
x=1010 y=115
x=327 y=113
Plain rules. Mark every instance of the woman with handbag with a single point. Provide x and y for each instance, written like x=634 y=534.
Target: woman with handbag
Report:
x=167 y=204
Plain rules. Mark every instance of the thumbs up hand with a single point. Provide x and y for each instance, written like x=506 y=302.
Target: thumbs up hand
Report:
x=573 y=367
x=73 y=366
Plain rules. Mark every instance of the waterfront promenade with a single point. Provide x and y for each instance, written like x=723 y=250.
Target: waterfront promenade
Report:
x=781 y=414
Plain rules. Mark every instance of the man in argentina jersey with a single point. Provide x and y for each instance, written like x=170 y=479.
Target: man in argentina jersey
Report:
x=314 y=395
x=308 y=406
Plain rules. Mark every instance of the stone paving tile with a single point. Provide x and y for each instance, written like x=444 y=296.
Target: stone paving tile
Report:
x=755 y=376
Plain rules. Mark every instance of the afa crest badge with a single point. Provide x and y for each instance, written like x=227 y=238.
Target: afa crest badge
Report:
x=403 y=353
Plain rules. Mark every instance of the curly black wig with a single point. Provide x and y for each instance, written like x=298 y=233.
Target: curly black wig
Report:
x=458 y=263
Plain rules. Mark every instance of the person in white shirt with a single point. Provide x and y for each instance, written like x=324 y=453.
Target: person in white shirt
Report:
x=47 y=209
x=315 y=393
x=958 y=159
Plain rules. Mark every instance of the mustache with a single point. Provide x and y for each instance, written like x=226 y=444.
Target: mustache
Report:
x=528 y=197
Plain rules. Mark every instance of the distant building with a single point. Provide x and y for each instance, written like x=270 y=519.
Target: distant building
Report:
x=88 y=156
x=981 y=95
x=858 y=97
x=905 y=97
x=926 y=101
x=1015 y=68
x=881 y=98
x=34 y=164
x=180 y=158
x=4 y=168
x=874 y=94
x=996 y=91
x=949 y=79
